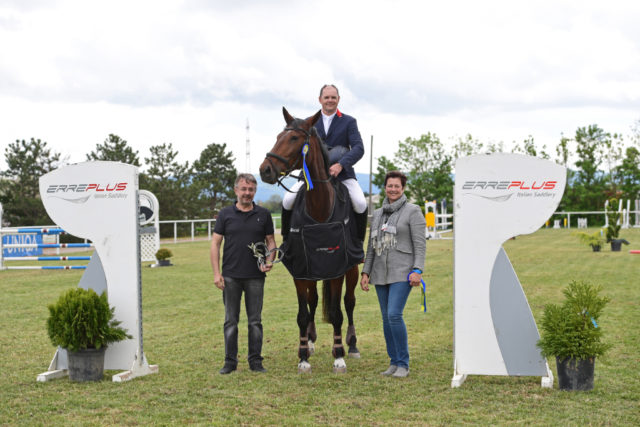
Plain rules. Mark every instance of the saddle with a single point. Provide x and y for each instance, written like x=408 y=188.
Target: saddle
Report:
x=322 y=250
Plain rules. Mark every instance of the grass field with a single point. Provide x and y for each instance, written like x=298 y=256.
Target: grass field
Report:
x=183 y=316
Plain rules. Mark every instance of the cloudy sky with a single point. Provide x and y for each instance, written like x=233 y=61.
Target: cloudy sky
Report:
x=194 y=72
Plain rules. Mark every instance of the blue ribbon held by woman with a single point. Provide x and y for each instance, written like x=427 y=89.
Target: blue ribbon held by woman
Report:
x=423 y=305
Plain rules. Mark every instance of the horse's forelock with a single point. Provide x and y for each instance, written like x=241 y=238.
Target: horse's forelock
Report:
x=297 y=123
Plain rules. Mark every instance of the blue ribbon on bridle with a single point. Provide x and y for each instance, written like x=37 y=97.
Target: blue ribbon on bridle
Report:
x=305 y=169
x=423 y=305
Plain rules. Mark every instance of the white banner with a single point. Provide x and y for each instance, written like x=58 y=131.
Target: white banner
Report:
x=497 y=197
x=99 y=201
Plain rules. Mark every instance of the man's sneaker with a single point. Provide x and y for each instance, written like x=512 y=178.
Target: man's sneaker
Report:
x=257 y=367
x=227 y=369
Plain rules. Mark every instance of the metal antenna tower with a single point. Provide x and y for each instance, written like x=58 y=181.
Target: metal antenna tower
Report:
x=248 y=148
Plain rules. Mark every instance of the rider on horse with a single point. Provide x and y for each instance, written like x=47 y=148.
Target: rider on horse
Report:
x=342 y=138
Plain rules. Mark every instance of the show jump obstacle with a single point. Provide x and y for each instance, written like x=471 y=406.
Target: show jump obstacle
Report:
x=497 y=197
x=99 y=201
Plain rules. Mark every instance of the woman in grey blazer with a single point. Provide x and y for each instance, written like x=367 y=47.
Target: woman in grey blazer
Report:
x=394 y=262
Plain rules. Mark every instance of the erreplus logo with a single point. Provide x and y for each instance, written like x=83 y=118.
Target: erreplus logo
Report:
x=328 y=250
x=509 y=185
x=83 y=188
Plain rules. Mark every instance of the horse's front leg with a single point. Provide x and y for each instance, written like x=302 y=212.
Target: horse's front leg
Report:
x=351 y=280
x=312 y=298
x=303 y=321
x=335 y=317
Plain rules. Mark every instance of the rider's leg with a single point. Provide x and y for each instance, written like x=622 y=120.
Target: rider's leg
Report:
x=359 y=204
x=287 y=206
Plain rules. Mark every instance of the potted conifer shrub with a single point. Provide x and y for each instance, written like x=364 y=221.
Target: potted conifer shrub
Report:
x=82 y=322
x=595 y=239
x=613 y=228
x=571 y=333
x=163 y=255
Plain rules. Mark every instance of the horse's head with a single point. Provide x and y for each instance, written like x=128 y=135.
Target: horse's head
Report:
x=286 y=154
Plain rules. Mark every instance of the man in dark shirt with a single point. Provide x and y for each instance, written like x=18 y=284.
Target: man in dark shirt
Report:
x=240 y=225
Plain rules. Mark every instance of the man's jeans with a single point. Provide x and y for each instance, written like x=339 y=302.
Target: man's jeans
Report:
x=232 y=295
x=392 y=299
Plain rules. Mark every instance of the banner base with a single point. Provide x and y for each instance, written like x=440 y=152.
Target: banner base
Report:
x=137 y=370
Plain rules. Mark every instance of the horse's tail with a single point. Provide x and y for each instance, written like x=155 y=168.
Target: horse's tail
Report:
x=326 y=300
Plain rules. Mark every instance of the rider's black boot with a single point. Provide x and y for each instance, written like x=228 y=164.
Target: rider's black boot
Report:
x=285 y=223
x=361 y=224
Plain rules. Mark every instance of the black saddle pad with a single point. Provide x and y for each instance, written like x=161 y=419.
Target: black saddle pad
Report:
x=322 y=251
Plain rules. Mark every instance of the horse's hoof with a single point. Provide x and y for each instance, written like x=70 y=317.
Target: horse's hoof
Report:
x=304 y=368
x=354 y=355
x=312 y=348
x=339 y=366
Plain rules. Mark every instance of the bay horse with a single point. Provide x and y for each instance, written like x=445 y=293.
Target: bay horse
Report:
x=286 y=156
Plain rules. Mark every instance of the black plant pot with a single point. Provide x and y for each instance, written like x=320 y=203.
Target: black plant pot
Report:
x=596 y=248
x=616 y=245
x=164 y=263
x=575 y=374
x=86 y=365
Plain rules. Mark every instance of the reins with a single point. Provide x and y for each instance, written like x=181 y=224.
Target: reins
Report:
x=289 y=167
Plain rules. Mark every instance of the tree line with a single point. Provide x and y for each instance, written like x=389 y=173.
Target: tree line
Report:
x=600 y=165
x=184 y=190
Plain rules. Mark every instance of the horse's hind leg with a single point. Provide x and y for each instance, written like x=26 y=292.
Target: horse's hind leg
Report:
x=349 y=305
x=312 y=298
x=303 y=320
x=336 y=318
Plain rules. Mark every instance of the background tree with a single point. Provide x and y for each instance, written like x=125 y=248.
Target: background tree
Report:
x=529 y=148
x=466 y=146
x=635 y=134
x=213 y=178
x=384 y=165
x=628 y=174
x=585 y=191
x=169 y=180
x=115 y=149
x=274 y=204
x=611 y=150
x=563 y=151
x=19 y=188
x=428 y=168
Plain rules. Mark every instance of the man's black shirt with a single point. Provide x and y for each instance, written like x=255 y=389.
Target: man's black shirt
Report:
x=240 y=229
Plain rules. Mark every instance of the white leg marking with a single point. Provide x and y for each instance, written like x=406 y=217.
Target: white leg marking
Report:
x=339 y=366
x=304 y=368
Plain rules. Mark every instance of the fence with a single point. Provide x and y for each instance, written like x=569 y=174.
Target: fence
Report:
x=25 y=251
x=193 y=231
x=600 y=217
x=444 y=222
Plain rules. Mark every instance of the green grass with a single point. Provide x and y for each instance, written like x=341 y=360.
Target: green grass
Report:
x=183 y=316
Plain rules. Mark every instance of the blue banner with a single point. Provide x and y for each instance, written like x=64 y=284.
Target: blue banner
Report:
x=22 y=239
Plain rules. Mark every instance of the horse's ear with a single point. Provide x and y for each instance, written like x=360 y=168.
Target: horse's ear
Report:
x=315 y=118
x=287 y=116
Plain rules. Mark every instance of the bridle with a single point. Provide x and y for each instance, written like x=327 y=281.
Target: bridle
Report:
x=289 y=166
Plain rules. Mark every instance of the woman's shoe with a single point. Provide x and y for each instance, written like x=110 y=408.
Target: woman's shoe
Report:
x=390 y=370
x=401 y=372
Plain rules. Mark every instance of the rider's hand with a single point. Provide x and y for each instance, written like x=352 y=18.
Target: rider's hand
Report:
x=335 y=170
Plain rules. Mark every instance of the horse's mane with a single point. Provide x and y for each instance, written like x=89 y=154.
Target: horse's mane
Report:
x=296 y=124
